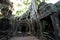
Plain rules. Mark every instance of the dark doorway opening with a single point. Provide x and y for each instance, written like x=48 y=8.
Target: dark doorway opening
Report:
x=35 y=26
x=4 y=24
x=48 y=26
x=23 y=29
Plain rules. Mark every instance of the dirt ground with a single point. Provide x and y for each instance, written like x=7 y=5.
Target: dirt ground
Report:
x=24 y=38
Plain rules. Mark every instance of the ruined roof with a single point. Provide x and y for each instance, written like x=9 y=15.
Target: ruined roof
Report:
x=47 y=9
x=44 y=10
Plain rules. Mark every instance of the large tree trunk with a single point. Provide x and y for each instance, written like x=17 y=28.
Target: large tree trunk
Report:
x=33 y=9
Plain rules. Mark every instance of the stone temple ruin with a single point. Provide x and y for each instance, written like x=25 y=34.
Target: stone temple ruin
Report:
x=5 y=14
x=47 y=24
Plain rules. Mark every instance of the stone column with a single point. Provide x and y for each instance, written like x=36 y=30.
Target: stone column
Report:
x=41 y=28
x=56 y=25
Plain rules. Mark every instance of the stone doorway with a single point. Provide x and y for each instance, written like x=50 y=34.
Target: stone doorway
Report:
x=24 y=28
x=4 y=24
x=48 y=26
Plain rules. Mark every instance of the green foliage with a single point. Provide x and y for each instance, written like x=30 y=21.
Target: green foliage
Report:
x=26 y=2
x=19 y=5
x=18 y=12
x=37 y=2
